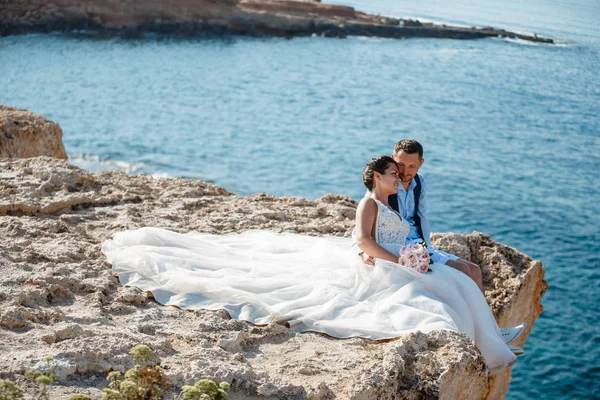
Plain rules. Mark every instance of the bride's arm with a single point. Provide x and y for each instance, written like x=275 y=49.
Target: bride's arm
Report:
x=366 y=217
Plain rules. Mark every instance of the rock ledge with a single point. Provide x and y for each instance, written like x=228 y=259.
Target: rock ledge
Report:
x=25 y=134
x=58 y=289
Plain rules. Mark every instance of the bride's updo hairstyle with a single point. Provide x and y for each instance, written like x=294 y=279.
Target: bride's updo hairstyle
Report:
x=377 y=164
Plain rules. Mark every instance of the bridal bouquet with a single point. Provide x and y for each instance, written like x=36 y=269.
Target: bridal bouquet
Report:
x=415 y=257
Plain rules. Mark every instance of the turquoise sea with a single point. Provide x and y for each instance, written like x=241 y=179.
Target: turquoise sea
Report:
x=511 y=132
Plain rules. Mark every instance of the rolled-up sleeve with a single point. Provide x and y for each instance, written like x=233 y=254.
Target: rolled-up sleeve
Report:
x=439 y=258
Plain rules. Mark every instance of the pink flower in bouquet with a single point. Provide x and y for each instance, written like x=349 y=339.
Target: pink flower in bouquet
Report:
x=415 y=257
x=424 y=266
x=412 y=259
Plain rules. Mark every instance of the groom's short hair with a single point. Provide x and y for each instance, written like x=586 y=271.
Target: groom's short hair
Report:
x=409 y=146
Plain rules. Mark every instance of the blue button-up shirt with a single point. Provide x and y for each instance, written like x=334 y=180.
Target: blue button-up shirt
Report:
x=406 y=208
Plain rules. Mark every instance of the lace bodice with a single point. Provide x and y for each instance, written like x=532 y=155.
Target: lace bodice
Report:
x=391 y=228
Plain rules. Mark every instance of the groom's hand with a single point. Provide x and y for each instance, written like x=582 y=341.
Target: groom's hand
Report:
x=367 y=259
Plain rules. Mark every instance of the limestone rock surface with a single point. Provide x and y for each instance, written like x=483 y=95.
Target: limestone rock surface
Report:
x=25 y=134
x=514 y=285
x=59 y=297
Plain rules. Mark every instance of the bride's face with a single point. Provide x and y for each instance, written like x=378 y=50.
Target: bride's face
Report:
x=389 y=180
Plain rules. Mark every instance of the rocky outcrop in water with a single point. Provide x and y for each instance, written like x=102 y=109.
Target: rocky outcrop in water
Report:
x=25 y=134
x=285 y=18
x=59 y=297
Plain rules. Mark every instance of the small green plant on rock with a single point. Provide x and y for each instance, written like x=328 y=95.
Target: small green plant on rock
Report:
x=142 y=382
x=206 y=389
x=79 y=397
x=44 y=379
x=10 y=391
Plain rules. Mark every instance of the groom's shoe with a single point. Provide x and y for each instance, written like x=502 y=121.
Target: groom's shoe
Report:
x=509 y=335
x=517 y=351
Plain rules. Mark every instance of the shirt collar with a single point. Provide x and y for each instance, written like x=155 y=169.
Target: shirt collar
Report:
x=410 y=187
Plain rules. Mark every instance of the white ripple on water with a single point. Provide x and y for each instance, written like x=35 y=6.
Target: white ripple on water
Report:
x=530 y=43
x=94 y=163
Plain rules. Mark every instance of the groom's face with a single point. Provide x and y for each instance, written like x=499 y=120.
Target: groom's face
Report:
x=408 y=164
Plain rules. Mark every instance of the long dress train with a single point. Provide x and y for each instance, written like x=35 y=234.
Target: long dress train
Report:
x=316 y=283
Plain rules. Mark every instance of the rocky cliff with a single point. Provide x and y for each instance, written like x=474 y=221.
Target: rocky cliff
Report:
x=285 y=18
x=58 y=295
x=25 y=134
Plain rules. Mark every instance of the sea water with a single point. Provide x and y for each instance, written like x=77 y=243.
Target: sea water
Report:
x=511 y=133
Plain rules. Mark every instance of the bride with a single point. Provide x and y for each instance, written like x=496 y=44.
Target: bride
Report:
x=314 y=283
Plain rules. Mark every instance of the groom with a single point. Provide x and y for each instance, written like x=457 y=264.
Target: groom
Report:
x=411 y=204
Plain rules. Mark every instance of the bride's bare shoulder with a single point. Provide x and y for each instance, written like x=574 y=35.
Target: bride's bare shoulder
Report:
x=367 y=204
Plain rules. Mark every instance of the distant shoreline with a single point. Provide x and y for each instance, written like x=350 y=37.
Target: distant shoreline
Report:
x=255 y=18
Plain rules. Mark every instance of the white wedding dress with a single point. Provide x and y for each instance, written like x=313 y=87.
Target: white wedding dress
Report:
x=314 y=283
